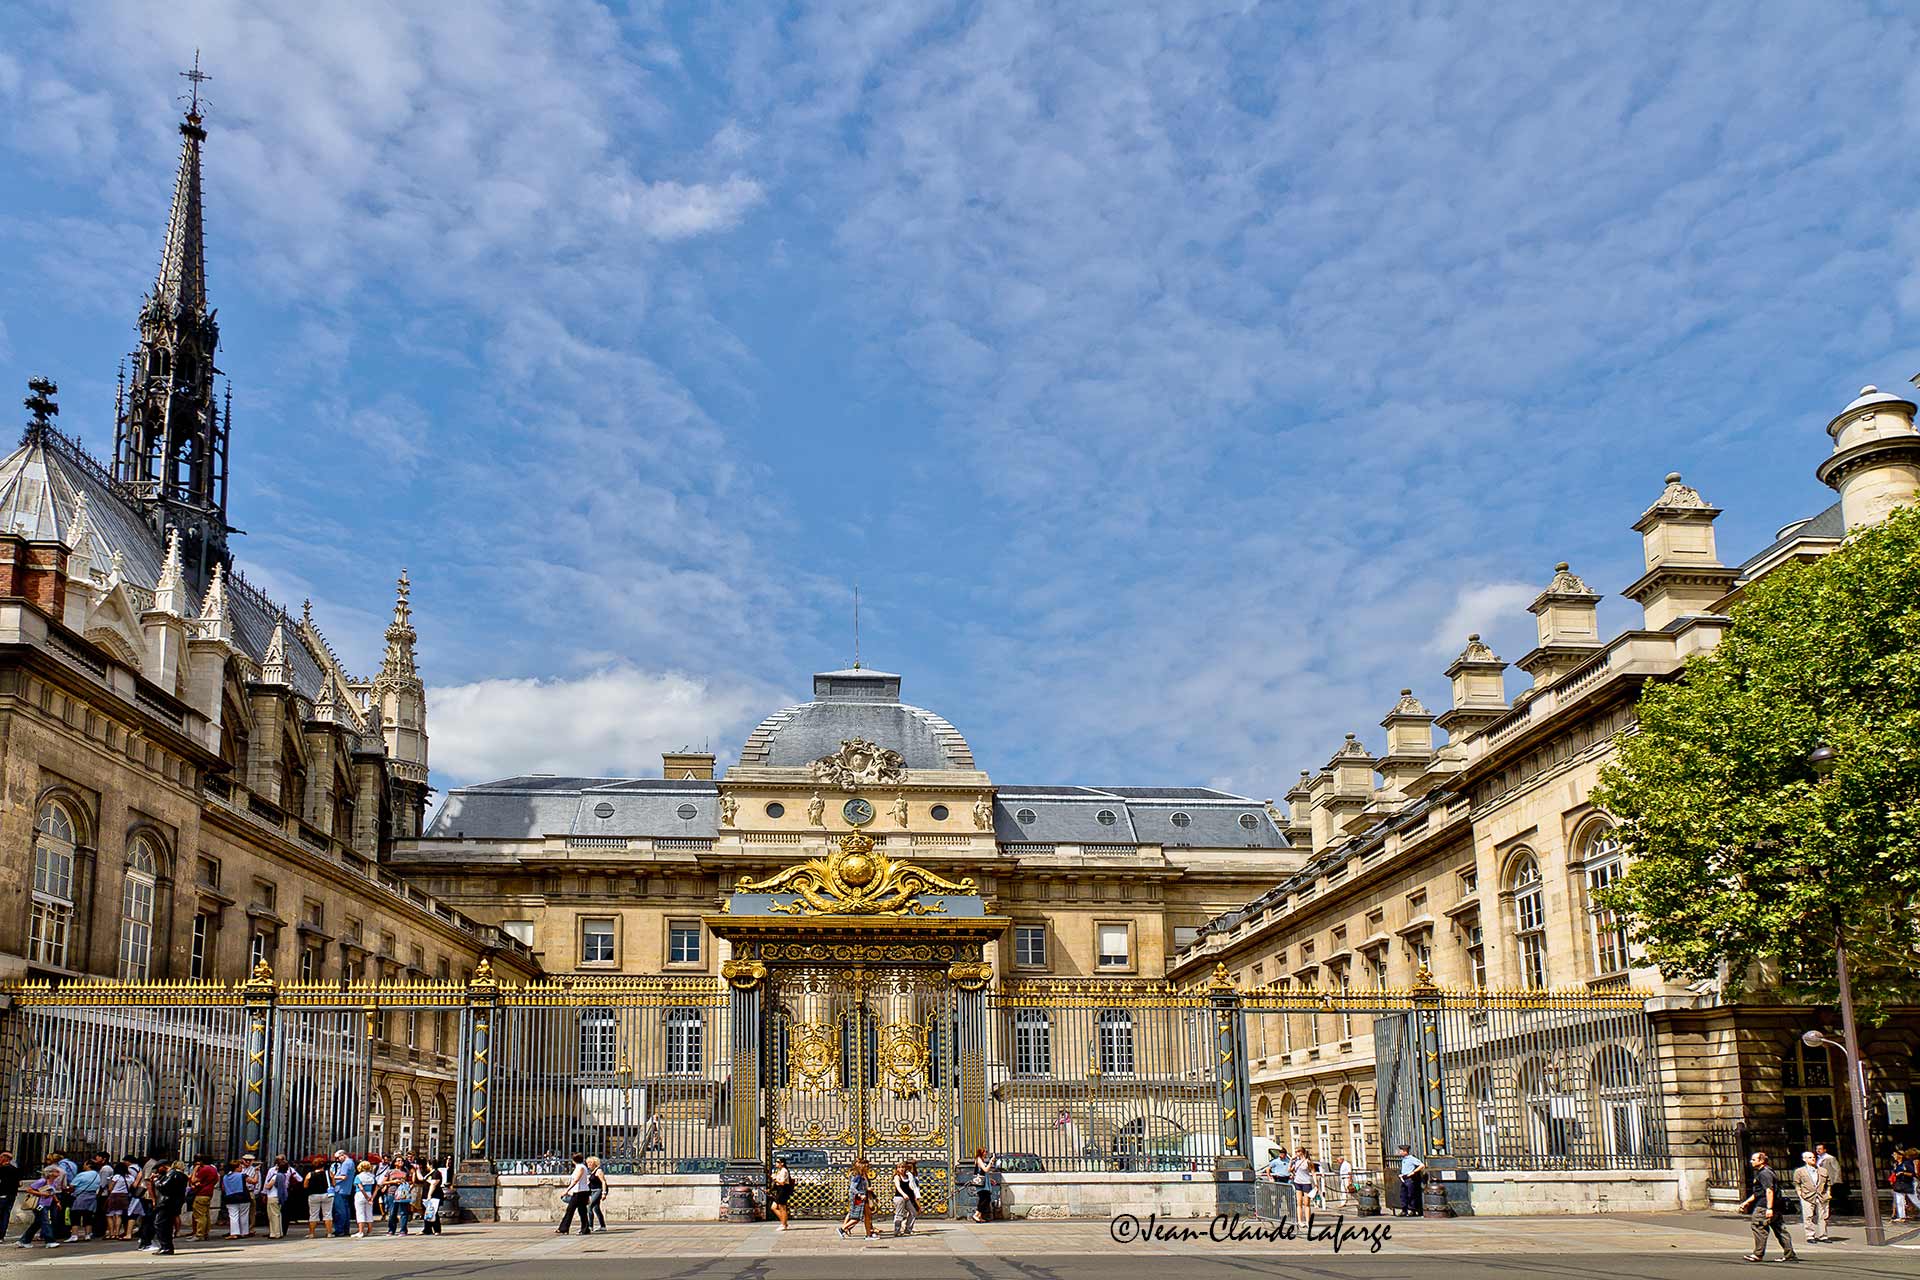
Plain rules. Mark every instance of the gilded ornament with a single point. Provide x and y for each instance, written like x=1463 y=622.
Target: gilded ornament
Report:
x=743 y=975
x=970 y=975
x=857 y=878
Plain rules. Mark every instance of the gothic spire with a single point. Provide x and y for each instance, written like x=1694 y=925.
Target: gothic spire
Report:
x=273 y=664
x=170 y=593
x=214 y=622
x=182 y=283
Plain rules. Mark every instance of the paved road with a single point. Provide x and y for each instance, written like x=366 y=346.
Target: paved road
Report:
x=1617 y=1247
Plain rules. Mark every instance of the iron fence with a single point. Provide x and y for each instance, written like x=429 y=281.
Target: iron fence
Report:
x=1097 y=1075
x=635 y=1071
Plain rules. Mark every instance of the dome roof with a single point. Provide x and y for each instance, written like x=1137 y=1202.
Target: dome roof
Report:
x=855 y=704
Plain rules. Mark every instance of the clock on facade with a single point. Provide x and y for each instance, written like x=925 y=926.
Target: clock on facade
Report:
x=857 y=811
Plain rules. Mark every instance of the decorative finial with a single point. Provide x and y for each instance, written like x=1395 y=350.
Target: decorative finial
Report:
x=1869 y=390
x=1221 y=979
x=170 y=592
x=1473 y=637
x=1673 y=477
x=1562 y=567
x=306 y=611
x=197 y=77
x=40 y=403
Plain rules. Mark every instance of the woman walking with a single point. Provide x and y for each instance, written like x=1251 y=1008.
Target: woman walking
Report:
x=119 y=1181
x=596 y=1193
x=859 y=1199
x=1906 y=1185
x=431 y=1196
x=781 y=1190
x=983 y=1184
x=1301 y=1173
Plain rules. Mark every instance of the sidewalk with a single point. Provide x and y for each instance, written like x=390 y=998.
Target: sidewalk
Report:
x=1692 y=1236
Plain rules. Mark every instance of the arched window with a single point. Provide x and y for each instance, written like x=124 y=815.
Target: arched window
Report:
x=1032 y=1043
x=1322 y=1129
x=683 y=1041
x=1530 y=921
x=1600 y=851
x=1619 y=1100
x=136 y=912
x=128 y=1113
x=599 y=1041
x=377 y=1124
x=51 y=927
x=1291 y=1106
x=406 y=1123
x=1356 y=1128
x=1263 y=1116
x=1546 y=1108
x=433 y=1129
x=43 y=1098
x=1116 y=1042
x=1486 y=1116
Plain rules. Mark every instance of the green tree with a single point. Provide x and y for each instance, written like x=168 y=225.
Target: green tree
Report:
x=1739 y=854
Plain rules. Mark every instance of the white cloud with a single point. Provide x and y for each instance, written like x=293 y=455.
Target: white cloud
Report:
x=1486 y=610
x=614 y=722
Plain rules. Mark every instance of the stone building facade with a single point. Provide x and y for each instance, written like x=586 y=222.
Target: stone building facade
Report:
x=193 y=783
x=1475 y=859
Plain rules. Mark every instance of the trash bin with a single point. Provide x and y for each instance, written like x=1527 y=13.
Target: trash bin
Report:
x=740 y=1206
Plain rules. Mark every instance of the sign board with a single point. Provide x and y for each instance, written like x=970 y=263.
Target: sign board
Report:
x=1896 y=1108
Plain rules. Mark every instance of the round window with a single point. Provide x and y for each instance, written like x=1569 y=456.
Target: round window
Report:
x=603 y=810
x=1248 y=821
x=938 y=813
x=776 y=810
x=687 y=812
x=1106 y=817
x=1025 y=817
x=1181 y=820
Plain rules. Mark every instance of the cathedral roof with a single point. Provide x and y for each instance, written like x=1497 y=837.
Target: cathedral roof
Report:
x=41 y=485
x=855 y=703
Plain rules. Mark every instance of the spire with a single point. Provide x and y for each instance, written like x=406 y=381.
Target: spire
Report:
x=273 y=666
x=80 y=547
x=398 y=666
x=170 y=593
x=327 y=709
x=170 y=441
x=214 y=622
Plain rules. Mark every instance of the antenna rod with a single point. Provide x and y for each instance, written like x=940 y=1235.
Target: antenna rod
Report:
x=856 y=626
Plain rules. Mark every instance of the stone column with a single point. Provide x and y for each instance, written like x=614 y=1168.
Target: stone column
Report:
x=970 y=978
x=257 y=992
x=474 y=1180
x=1233 y=1165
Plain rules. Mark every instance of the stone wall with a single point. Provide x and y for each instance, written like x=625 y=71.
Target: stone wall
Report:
x=661 y=1197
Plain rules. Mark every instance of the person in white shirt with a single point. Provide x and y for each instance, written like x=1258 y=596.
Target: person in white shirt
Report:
x=1346 y=1180
x=577 y=1191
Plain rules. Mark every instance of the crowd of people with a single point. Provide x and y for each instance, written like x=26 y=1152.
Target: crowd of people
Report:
x=151 y=1201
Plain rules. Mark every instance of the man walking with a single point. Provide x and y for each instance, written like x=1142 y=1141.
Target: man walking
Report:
x=9 y=1189
x=171 y=1187
x=1765 y=1199
x=1810 y=1184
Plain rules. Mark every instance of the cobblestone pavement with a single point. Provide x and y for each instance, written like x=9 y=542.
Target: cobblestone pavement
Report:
x=1649 y=1247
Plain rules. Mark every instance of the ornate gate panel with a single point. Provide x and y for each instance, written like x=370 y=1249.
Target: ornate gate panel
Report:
x=861 y=1062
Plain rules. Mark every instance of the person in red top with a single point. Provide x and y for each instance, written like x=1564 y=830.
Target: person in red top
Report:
x=206 y=1184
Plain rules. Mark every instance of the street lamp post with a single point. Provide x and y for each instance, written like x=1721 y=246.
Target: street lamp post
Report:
x=1823 y=758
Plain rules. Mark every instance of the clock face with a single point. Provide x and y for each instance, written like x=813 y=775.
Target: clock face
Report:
x=857 y=811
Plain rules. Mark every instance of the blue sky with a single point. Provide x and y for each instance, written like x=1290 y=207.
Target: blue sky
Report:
x=1177 y=381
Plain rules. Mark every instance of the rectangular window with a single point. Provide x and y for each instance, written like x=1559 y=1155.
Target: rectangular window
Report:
x=309 y=963
x=207 y=871
x=1346 y=1012
x=265 y=893
x=48 y=932
x=256 y=951
x=316 y=914
x=1030 y=946
x=1116 y=1042
x=413 y=1028
x=1477 y=959
x=683 y=1042
x=683 y=942
x=520 y=931
x=1032 y=1043
x=1469 y=883
x=1377 y=968
x=1115 y=949
x=599 y=1041
x=198 y=963
x=1185 y=935
x=1286 y=1021
x=596 y=942
x=1533 y=961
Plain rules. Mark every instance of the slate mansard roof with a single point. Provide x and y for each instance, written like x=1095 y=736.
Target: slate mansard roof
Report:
x=40 y=487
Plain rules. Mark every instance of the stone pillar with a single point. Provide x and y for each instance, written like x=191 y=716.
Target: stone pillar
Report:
x=257 y=992
x=970 y=978
x=1233 y=1166
x=474 y=1180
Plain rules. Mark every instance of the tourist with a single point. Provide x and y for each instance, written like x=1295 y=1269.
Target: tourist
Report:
x=1765 y=1199
x=43 y=1199
x=205 y=1183
x=906 y=1199
x=9 y=1189
x=86 y=1198
x=118 y=1197
x=1906 y=1203
x=1300 y=1172
x=432 y=1196
x=1413 y=1171
x=575 y=1195
x=596 y=1193
x=340 y=1185
x=63 y=1202
x=276 y=1189
x=236 y=1188
x=140 y=1218
x=170 y=1188
x=982 y=1184
x=398 y=1185
x=1346 y=1180
x=781 y=1190
x=366 y=1196
x=1810 y=1184
x=317 y=1187
x=859 y=1199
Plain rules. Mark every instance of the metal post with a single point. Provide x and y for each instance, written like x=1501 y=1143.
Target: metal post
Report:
x=1857 y=1098
x=1233 y=1180
x=257 y=992
x=1432 y=1121
x=746 y=1176
x=478 y=1188
x=971 y=978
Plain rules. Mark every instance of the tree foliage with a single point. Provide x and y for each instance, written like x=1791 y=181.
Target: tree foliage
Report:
x=1742 y=862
